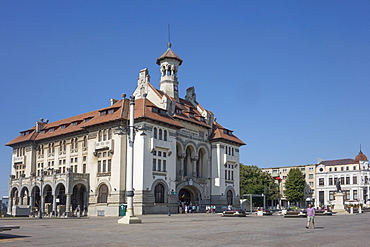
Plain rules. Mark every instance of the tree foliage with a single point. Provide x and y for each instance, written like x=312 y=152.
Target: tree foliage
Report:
x=294 y=185
x=254 y=181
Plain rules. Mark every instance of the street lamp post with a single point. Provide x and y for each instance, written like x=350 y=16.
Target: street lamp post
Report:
x=41 y=192
x=130 y=217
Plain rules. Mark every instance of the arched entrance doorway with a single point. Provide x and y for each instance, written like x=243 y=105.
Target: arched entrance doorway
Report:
x=24 y=197
x=48 y=193
x=79 y=197
x=36 y=199
x=60 y=193
x=189 y=195
x=229 y=198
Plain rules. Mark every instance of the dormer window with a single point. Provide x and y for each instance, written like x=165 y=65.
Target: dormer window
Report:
x=110 y=111
x=154 y=109
x=202 y=119
x=178 y=111
x=191 y=115
x=102 y=113
x=162 y=112
x=74 y=123
x=42 y=131
x=87 y=120
x=51 y=130
x=63 y=126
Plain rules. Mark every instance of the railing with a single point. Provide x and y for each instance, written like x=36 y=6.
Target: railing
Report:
x=104 y=145
x=20 y=159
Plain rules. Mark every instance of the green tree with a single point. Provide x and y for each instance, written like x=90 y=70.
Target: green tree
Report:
x=254 y=181
x=294 y=185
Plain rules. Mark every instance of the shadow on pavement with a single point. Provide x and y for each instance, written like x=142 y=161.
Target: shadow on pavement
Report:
x=8 y=236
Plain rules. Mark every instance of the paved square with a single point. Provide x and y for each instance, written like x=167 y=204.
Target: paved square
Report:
x=189 y=230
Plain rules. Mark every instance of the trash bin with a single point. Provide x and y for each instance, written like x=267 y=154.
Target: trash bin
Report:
x=122 y=209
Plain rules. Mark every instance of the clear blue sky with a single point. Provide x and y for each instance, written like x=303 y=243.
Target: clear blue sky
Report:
x=291 y=78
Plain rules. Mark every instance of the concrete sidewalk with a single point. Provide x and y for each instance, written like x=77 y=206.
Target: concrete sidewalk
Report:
x=189 y=230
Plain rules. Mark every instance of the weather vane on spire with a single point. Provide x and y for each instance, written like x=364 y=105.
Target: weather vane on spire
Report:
x=169 y=36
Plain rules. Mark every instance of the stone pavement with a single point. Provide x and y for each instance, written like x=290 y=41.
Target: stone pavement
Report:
x=189 y=230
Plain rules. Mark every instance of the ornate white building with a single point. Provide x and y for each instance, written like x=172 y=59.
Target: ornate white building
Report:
x=181 y=155
x=354 y=176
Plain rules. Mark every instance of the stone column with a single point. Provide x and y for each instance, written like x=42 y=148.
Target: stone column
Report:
x=182 y=172
x=86 y=204
x=54 y=204
x=42 y=206
x=194 y=165
x=68 y=204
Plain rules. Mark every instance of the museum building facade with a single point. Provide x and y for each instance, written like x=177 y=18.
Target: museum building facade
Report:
x=182 y=156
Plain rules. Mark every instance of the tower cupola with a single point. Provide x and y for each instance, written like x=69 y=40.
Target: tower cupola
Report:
x=169 y=64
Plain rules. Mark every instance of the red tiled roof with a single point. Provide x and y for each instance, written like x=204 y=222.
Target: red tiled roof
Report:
x=361 y=156
x=148 y=113
x=339 y=162
x=219 y=134
x=169 y=54
x=120 y=111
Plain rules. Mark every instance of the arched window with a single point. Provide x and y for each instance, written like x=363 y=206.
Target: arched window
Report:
x=103 y=194
x=159 y=193
x=155 y=133
x=229 y=197
x=160 y=134
x=165 y=135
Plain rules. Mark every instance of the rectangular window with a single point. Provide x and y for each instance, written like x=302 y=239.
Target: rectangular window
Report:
x=109 y=165
x=159 y=153
x=164 y=154
x=311 y=168
x=99 y=166
x=310 y=176
x=75 y=168
x=321 y=182
x=331 y=195
x=232 y=175
x=348 y=181
x=354 y=179
x=164 y=165
x=84 y=168
x=311 y=183
x=154 y=164
x=84 y=158
x=71 y=160
x=159 y=165
x=330 y=181
x=104 y=165
x=284 y=170
x=342 y=180
x=355 y=195
x=225 y=174
x=75 y=160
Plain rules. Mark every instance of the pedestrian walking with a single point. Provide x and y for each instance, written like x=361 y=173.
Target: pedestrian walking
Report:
x=310 y=216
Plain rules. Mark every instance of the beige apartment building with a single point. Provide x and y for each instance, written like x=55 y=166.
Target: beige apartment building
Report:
x=280 y=174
